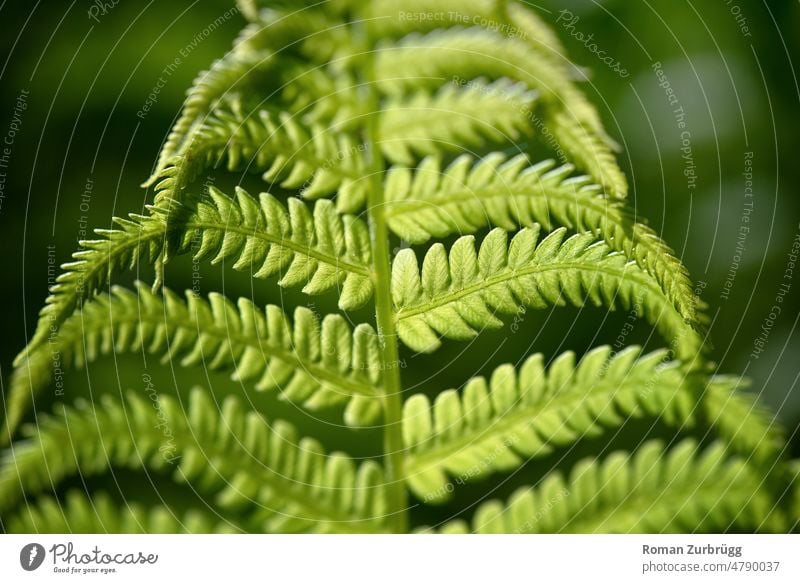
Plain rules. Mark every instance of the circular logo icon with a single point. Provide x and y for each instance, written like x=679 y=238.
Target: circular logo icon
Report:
x=31 y=556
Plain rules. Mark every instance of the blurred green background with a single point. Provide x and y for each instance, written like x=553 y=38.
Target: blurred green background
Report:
x=79 y=151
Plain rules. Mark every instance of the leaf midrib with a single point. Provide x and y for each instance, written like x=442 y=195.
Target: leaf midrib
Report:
x=261 y=344
x=399 y=207
x=91 y=266
x=485 y=284
x=121 y=315
x=501 y=426
x=284 y=242
x=606 y=212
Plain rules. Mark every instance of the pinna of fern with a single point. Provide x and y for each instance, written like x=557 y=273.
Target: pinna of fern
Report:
x=361 y=143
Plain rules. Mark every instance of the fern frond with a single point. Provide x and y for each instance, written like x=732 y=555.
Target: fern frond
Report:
x=535 y=30
x=319 y=98
x=78 y=514
x=225 y=451
x=742 y=421
x=35 y=371
x=528 y=25
x=498 y=425
x=397 y=118
x=390 y=19
x=313 y=363
x=311 y=159
x=458 y=295
x=684 y=489
x=320 y=251
x=464 y=54
x=141 y=238
x=522 y=24
x=471 y=194
x=455 y=118
x=590 y=152
x=429 y=60
x=228 y=75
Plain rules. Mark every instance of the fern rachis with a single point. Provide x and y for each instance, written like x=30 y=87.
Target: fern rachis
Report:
x=398 y=180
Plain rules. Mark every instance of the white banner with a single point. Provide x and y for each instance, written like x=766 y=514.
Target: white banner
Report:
x=400 y=559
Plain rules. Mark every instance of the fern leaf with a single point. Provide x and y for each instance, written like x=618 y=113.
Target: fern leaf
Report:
x=589 y=152
x=498 y=425
x=454 y=119
x=517 y=22
x=529 y=26
x=234 y=72
x=388 y=19
x=534 y=30
x=227 y=452
x=78 y=514
x=316 y=364
x=522 y=25
x=369 y=112
x=458 y=295
x=141 y=238
x=508 y=193
x=742 y=421
x=653 y=491
x=172 y=201
x=464 y=54
x=320 y=251
x=37 y=370
x=429 y=60
x=312 y=159
x=319 y=98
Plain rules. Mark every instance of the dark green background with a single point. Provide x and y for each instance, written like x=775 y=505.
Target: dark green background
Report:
x=87 y=80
